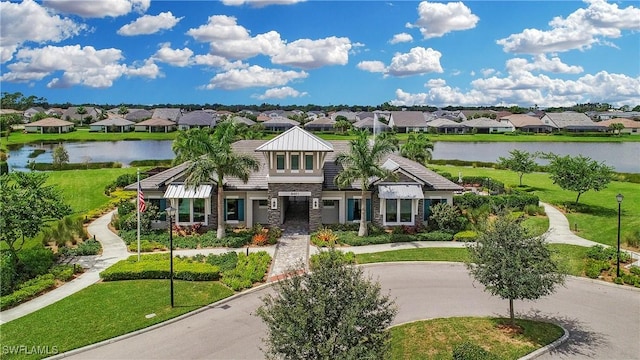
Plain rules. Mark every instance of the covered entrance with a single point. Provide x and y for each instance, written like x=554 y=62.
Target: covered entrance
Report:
x=295 y=215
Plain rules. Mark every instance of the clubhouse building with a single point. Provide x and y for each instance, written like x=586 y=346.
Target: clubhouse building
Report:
x=297 y=171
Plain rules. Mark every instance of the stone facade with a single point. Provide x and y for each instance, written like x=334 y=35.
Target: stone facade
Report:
x=315 y=215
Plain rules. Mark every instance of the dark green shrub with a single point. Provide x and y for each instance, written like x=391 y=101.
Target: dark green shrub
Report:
x=618 y=281
x=157 y=267
x=351 y=238
x=8 y=273
x=63 y=272
x=34 y=262
x=435 y=236
x=346 y=257
x=630 y=279
x=396 y=238
x=471 y=351
x=595 y=267
x=88 y=247
x=27 y=291
x=632 y=238
x=225 y=262
x=249 y=270
x=447 y=218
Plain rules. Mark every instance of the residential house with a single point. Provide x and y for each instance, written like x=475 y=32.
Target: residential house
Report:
x=630 y=126
x=320 y=124
x=172 y=114
x=485 y=125
x=88 y=115
x=447 y=126
x=112 y=124
x=350 y=115
x=138 y=115
x=156 y=125
x=372 y=125
x=407 y=121
x=279 y=124
x=608 y=115
x=297 y=171
x=243 y=120
x=526 y=123
x=196 y=119
x=571 y=121
x=49 y=125
x=31 y=112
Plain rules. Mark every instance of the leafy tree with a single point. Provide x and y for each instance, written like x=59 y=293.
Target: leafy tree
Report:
x=123 y=110
x=362 y=162
x=579 y=173
x=521 y=162
x=212 y=155
x=636 y=108
x=342 y=124
x=60 y=156
x=512 y=264
x=39 y=116
x=334 y=312
x=26 y=205
x=616 y=128
x=417 y=148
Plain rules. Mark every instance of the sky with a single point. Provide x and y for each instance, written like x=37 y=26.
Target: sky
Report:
x=293 y=52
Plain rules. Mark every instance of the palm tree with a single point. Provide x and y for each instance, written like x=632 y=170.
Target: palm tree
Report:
x=417 y=148
x=361 y=163
x=212 y=158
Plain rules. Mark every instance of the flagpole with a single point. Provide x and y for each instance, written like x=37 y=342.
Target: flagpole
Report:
x=138 y=210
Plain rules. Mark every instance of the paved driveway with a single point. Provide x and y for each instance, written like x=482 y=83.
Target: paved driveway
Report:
x=604 y=320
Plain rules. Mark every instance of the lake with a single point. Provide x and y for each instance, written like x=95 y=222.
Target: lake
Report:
x=624 y=157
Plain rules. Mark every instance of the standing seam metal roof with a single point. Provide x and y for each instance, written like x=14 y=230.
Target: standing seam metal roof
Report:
x=295 y=139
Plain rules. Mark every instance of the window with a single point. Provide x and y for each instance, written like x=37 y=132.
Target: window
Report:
x=279 y=162
x=308 y=162
x=198 y=210
x=329 y=204
x=263 y=203
x=234 y=210
x=398 y=211
x=184 y=210
x=428 y=203
x=295 y=162
x=353 y=209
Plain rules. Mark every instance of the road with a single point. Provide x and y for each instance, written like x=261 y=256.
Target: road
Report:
x=603 y=320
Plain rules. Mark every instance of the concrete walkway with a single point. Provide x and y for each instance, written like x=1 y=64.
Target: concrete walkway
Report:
x=113 y=250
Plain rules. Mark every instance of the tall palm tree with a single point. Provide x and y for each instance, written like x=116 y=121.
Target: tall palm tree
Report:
x=417 y=148
x=361 y=163
x=212 y=158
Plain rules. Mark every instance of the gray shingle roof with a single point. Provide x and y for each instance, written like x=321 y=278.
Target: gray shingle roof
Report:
x=408 y=119
x=320 y=122
x=198 y=117
x=167 y=113
x=156 y=122
x=117 y=121
x=138 y=115
x=367 y=123
x=484 y=122
x=444 y=123
x=569 y=119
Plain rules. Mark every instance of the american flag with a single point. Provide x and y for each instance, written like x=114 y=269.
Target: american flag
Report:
x=142 y=206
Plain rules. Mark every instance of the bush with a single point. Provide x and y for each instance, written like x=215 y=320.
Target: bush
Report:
x=157 y=267
x=8 y=273
x=516 y=201
x=351 y=238
x=635 y=270
x=28 y=290
x=435 y=236
x=533 y=210
x=600 y=252
x=34 y=262
x=63 y=273
x=345 y=257
x=447 y=218
x=595 y=267
x=324 y=237
x=249 y=270
x=471 y=351
x=89 y=247
x=630 y=279
x=227 y=261
x=465 y=236
x=146 y=246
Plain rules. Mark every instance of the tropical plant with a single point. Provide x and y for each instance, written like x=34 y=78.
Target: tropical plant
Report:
x=342 y=124
x=211 y=158
x=417 y=148
x=361 y=163
x=616 y=128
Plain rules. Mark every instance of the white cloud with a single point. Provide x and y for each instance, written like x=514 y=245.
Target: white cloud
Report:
x=79 y=66
x=175 y=57
x=542 y=63
x=219 y=28
x=580 y=30
x=98 y=8
x=434 y=83
x=148 y=70
x=149 y=24
x=253 y=76
x=217 y=62
x=487 y=72
x=28 y=21
x=260 y=3
x=372 y=66
x=280 y=93
x=401 y=38
x=437 y=19
x=311 y=54
x=417 y=61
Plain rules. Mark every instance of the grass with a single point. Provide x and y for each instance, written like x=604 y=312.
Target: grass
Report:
x=435 y=339
x=572 y=258
x=422 y=254
x=597 y=219
x=85 y=135
x=537 y=225
x=106 y=310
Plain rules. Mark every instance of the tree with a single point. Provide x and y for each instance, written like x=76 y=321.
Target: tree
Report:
x=212 y=155
x=342 y=124
x=80 y=110
x=362 y=162
x=616 y=128
x=123 y=110
x=512 y=264
x=521 y=162
x=417 y=148
x=26 y=204
x=60 y=156
x=579 y=173
x=334 y=312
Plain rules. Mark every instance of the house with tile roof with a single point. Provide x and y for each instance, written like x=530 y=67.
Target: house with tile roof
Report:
x=297 y=171
x=630 y=126
x=483 y=125
x=113 y=124
x=156 y=125
x=172 y=114
x=447 y=126
x=138 y=115
x=526 y=123
x=571 y=121
x=49 y=125
x=407 y=121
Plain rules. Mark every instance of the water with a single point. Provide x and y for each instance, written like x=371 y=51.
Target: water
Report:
x=624 y=157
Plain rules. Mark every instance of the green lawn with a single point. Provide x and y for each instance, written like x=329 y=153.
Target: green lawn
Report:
x=435 y=339
x=106 y=310
x=85 y=135
x=598 y=216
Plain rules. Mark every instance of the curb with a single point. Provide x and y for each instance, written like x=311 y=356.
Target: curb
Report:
x=547 y=348
x=159 y=325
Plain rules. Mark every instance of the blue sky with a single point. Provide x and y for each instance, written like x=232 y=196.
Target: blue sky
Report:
x=475 y=53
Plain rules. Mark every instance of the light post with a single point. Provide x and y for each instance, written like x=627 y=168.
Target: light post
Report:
x=170 y=212
x=619 y=197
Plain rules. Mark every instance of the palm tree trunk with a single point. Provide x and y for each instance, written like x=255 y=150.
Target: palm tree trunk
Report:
x=220 y=233
x=362 y=231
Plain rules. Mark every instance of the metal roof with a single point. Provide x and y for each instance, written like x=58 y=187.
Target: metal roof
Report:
x=295 y=139
x=181 y=191
x=400 y=191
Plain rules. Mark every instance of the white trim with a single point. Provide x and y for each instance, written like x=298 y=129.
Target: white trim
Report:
x=398 y=210
x=296 y=179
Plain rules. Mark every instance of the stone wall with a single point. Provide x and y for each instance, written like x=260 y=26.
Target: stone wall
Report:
x=315 y=215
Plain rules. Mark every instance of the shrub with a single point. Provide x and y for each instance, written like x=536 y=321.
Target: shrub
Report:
x=34 y=262
x=8 y=273
x=345 y=257
x=157 y=267
x=225 y=262
x=63 y=272
x=351 y=238
x=28 y=290
x=435 y=236
x=447 y=218
x=249 y=270
x=600 y=252
x=635 y=270
x=465 y=236
x=324 y=237
x=533 y=210
x=89 y=247
x=630 y=279
x=274 y=234
x=471 y=351
x=147 y=246
x=402 y=237
x=260 y=239
x=595 y=267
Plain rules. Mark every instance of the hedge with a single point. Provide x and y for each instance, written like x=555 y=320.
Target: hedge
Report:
x=28 y=290
x=75 y=166
x=157 y=267
x=511 y=201
x=435 y=236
